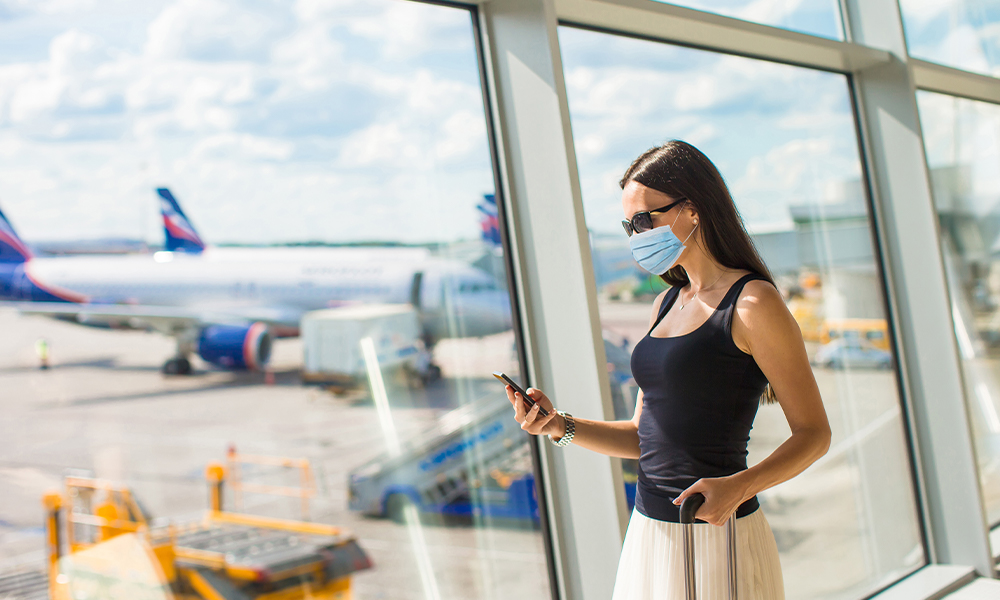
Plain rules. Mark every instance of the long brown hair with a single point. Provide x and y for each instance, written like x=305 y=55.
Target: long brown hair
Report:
x=683 y=172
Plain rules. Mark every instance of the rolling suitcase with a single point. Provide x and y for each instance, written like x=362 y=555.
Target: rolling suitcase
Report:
x=689 y=507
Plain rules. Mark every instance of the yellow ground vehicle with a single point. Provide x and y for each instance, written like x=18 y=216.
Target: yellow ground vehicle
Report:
x=873 y=331
x=101 y=545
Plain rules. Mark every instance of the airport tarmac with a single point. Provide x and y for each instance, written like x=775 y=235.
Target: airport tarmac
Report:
x=104 y=407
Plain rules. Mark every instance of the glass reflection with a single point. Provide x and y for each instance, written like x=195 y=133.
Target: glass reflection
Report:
x=784 y=138
x=252 y=288
x=963 y=147
x=957 y=33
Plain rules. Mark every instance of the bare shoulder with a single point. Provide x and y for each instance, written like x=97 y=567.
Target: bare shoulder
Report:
x=761 y=313
x=759 y=295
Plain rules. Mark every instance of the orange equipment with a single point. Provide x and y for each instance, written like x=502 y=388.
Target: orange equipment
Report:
x=93 y=525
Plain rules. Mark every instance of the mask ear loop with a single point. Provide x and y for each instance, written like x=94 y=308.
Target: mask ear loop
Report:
x=690 y=234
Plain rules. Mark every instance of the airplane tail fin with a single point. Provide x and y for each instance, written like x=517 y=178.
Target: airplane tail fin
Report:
x=181 y=234
x=489 y=220
x=12 y=249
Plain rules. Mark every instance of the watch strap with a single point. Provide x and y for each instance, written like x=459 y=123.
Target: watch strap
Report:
x=570 y=430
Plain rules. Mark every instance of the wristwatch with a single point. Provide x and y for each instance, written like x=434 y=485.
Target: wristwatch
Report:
x=570 y=430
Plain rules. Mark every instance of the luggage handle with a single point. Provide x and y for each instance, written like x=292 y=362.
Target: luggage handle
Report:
x=689 y=507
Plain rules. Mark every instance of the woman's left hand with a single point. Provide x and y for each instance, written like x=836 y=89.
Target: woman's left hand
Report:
x=723 y=495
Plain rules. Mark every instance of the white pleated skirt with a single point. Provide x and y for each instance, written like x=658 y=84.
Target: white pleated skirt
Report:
x=652 y=561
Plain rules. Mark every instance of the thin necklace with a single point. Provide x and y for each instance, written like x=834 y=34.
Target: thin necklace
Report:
x=702 y=288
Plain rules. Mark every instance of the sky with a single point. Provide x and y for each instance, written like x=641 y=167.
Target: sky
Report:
x=271 y=121
x=958 y=33
x=780 y=135
x=279 y=121
x=816 y=17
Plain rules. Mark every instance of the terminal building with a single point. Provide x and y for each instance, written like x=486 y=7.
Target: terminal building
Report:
x=259 y=261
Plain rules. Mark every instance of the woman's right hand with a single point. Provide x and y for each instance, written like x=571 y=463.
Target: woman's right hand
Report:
x=531 y=420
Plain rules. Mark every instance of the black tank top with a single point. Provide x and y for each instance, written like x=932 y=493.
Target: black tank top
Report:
x=700 y=397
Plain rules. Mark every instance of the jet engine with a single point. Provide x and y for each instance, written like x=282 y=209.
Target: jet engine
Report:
x=235 y=347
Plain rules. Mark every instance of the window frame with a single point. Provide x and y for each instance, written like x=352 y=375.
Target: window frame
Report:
x=874 y=48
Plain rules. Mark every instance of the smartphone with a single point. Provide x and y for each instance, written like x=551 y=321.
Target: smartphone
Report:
x=527 y=399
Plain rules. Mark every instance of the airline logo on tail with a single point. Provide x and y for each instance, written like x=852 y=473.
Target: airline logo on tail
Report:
x=12 y=249
x=490 y=219
x=181 y=235
x=16 y=280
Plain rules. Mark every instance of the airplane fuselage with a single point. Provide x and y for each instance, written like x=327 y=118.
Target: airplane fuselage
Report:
x=278 y=286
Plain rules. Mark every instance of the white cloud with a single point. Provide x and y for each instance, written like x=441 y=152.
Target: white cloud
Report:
x=770 y=11
x=75 y=51
x=312 y=55
x=378 y=144
x=242 y=147
x=702 y=134
x=461 y=133
x=590 y=145
x=214 y=30
x=67 y=95
x=48 y=6
x=923 y=11
x=801 y=171
x=285 y=134
x=398 y=29
x=962 y=47
x=626 y=90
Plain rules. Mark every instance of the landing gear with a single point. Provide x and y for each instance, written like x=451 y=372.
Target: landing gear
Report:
x=177 y=366
x=432 y=374
x=186 y=339
x=425 y=370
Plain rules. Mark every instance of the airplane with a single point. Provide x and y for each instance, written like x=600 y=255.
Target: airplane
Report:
x=227 y=304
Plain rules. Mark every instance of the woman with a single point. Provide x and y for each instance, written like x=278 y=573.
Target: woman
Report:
x=720 y=342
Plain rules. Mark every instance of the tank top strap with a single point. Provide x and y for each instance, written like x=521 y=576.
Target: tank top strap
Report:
x=726 y=308
x=668 y=301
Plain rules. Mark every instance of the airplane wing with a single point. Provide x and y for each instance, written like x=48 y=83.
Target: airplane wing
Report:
x=169 y=320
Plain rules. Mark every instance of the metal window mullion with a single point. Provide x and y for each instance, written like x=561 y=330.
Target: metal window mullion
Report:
x=650 y=19
x=955 y=82
x=906 y=219
x=511 y=262
x=554 y=284
x=653 y=20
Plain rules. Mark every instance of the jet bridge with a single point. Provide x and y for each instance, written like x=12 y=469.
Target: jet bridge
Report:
x=475 y=461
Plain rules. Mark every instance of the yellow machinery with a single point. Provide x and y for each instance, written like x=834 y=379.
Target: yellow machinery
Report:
x=873 y=331
x=101 y=545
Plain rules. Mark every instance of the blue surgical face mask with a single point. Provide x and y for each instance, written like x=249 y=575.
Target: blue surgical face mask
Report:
x=658 y=249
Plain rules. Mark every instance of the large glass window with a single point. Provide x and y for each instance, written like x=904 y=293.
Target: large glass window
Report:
x=962 y=141
x=784 y=137
x=817 y=17
x=249 y=261
x=957 y=33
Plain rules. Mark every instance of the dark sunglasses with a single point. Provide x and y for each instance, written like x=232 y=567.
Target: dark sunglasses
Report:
x=643 y=220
